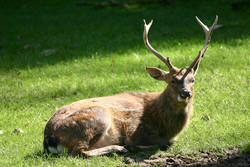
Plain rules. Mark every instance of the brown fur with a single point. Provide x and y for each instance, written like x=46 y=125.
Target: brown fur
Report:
x=126 y=119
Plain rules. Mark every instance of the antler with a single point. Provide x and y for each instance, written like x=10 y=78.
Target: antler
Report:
x=208 y=32
x=150 y=48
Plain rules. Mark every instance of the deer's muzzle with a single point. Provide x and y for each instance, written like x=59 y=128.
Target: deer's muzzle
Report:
x=186 y=94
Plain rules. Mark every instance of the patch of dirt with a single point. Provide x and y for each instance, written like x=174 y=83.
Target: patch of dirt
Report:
x=230 y=158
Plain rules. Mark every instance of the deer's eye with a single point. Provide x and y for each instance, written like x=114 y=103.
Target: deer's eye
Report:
x=192 y=80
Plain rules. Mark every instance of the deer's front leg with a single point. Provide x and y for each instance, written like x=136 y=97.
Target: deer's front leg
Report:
x=104 y=150
x=149 y=142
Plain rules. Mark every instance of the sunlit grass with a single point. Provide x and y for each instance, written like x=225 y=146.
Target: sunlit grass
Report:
x=100 y=52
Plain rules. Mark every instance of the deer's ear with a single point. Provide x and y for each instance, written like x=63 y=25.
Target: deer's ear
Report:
x=157 y=73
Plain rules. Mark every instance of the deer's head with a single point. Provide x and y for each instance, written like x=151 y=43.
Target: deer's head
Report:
x=180 y=81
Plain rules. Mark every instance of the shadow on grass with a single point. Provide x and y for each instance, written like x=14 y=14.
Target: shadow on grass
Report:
x=131 y=157
x=149 y=157
x=233 y=157
x=77 y=32
x=135 y=156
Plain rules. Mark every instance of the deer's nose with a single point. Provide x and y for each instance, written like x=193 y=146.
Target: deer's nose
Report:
x=186 y=93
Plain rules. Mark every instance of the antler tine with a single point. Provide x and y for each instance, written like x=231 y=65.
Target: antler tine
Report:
x=208 y=32
x=150 y=48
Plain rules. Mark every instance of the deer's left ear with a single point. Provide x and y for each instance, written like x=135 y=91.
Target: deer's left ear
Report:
x=157 y=73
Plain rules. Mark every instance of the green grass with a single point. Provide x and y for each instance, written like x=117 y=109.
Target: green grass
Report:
x=111 y=58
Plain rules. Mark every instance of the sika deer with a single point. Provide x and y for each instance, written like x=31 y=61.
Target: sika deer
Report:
x=116 y=123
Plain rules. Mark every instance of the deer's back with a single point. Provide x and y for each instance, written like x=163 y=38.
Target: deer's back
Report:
x=111 y=120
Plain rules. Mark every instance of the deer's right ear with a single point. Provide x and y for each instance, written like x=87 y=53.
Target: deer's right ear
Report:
x=157 y=73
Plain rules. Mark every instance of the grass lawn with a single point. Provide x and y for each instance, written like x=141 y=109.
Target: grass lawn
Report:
x=100 y=51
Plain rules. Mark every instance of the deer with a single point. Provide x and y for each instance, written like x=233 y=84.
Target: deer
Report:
x=124 y=121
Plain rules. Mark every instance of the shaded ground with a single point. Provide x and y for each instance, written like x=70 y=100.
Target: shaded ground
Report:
x=203 y=158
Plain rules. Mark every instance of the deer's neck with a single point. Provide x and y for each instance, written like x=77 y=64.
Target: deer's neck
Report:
x=167 y=116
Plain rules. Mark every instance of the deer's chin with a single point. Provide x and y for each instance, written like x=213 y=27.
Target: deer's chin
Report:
x=182 y=99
